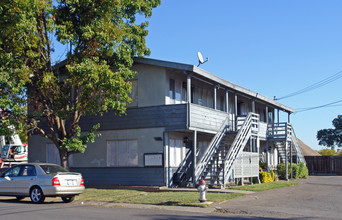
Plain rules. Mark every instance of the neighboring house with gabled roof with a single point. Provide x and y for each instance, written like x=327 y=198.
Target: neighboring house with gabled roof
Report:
x=179 y=109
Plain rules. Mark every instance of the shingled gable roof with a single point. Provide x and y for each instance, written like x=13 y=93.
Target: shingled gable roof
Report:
x=202 y=73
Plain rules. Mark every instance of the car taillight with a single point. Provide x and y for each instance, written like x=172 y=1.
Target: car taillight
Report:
x=55 y=181
x=82 y=182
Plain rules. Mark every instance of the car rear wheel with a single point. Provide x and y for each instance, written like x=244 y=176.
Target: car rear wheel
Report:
x=68 y=199
x=20 y=198
x=36 y=195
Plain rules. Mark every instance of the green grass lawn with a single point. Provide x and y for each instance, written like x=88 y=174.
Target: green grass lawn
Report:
x=155 y=198
x=265 y=186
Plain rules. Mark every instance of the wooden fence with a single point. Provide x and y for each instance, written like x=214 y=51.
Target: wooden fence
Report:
x=324 y=165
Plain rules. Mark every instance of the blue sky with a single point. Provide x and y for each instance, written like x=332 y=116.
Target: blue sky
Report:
x=271 y=47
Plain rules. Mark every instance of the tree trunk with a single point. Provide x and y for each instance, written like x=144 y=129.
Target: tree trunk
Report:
x=64 y=156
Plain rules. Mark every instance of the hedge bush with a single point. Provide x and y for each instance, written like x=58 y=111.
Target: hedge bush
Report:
x=298 y=171
x=303 y=171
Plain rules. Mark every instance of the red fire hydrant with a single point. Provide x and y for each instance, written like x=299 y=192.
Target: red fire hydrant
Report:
x=202 y=188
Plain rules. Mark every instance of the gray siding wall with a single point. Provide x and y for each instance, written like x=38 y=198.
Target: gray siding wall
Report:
x=151 y=84
x=122 y=176
x=169 y=116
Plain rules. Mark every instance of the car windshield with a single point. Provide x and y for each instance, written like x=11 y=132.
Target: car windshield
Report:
x=52 y=169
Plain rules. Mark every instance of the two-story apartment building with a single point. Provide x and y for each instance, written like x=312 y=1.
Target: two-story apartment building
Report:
x=179 y=109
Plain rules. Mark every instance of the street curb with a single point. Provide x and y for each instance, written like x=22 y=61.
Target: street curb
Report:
x=147 y=206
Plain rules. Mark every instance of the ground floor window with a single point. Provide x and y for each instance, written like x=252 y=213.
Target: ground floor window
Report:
x=122 y=153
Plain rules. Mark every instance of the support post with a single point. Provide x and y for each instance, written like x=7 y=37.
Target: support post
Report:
x=194 y=159
x=188 y=99
x=253 y=105
x=266 y=116
x=291 y=159
x=258 y=151
x=168 y=175
x=215 y=97
x=288 y=117
x=286 y=163
x=188 y=88
x=267 y=162
x=251 y=140
x=227 y=102
x=278 y=115
x=235 y=110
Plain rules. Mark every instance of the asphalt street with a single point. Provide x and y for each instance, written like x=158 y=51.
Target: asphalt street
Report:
x=318 y=197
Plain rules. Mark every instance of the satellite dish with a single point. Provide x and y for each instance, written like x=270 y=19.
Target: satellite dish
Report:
x=200 y=59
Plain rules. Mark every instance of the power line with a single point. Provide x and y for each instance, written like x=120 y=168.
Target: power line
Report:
x=321 y=83
x=332 y=104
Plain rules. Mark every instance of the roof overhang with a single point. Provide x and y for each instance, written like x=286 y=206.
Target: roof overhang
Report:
x=191 y=69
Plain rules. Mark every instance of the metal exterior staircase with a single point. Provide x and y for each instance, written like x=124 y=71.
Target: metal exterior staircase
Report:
x=249 y=128
x=282 y=133
x=297 y=148
x=216 y=164
x=211 y=160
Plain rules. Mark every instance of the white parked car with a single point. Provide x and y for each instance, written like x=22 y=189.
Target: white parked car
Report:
x=40 y=180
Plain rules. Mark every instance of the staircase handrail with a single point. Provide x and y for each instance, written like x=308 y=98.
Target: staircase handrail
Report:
x=297 y=146
x=250 y=123
x=211 y=149
x=184 y=162
x=277 y=130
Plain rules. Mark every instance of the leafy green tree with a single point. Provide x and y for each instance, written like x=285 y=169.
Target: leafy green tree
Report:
x=102 y=38
x=327 y=152
x=333 y=136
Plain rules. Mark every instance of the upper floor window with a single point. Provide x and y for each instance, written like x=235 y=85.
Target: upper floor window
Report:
x=204 y=97
x=177 y=92
x=172 y=91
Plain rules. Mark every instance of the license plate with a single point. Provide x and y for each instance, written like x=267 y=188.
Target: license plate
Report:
x=71 y=182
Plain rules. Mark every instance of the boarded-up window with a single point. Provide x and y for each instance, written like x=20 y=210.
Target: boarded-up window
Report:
x=122 y=153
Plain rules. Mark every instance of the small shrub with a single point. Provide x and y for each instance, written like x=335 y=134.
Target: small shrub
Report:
x=303 y=171
x=298 y=171
x=266 y=177
x=294 y=171
x=262 y=165
x=281 y=171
